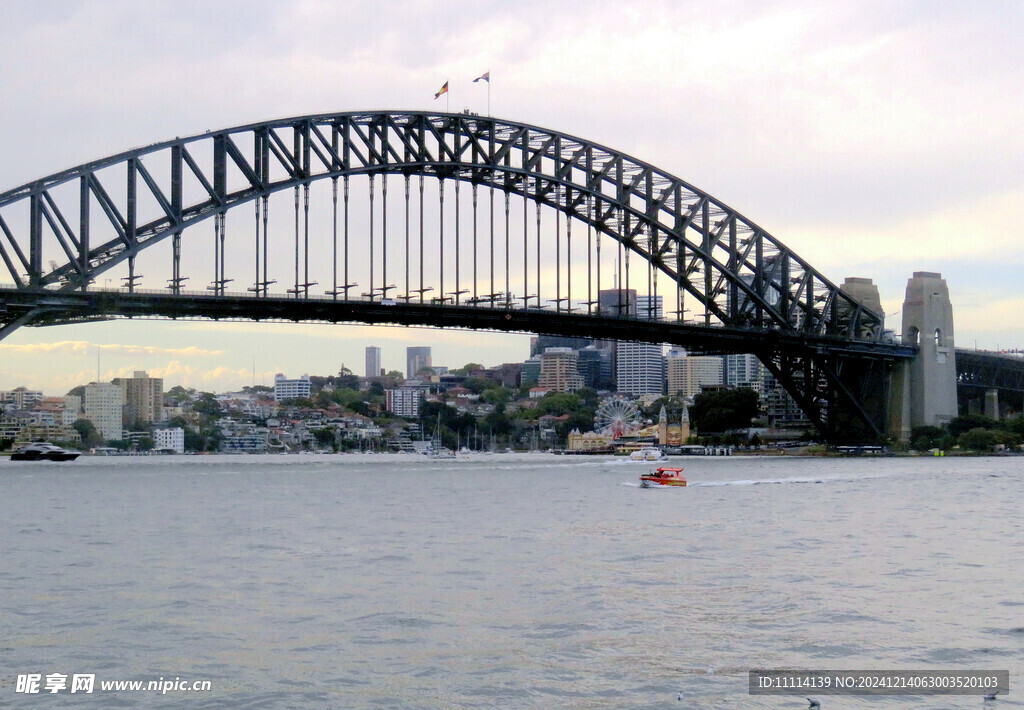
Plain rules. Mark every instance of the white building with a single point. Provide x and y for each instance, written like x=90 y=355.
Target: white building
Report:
x=744 y=370
x=688 y=374
x=104 y=403
x=404 y=401
x=172 y=438
x=20 y=397
x=639 y=368
x=290 y=389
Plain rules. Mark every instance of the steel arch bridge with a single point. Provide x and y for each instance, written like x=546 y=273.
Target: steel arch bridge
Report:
x=517 y=271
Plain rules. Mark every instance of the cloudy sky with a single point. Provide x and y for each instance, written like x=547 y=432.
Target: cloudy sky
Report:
x=873 y=138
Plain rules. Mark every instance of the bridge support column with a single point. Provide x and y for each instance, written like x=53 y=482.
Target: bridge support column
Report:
x=992 y=403
x=931 y=376
x=899 y=403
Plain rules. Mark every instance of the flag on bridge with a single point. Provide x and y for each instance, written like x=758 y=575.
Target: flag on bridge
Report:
x=444 y=90
x=486 y=76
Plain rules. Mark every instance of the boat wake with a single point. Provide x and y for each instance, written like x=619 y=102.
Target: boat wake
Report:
x=763 y=481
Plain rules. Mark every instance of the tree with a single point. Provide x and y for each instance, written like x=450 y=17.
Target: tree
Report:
x=558 y=403
x=396 y=375
x=298 y=402
x=497 y=396
x=207 y=405
x=179 y=394
x=87 y=430
x=723 y=410
x=978 y=439
x=325 y=438
x=923 y=438
x=965 y=423
x=77 y=391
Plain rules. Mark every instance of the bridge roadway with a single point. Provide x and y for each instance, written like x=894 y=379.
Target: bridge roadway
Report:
x=60 y=307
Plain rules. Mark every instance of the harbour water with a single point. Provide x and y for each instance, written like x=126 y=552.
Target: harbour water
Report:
x=512 y=581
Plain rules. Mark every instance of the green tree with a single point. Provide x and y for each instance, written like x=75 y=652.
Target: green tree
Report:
x=978 y=439
x=965 y=423
x=207 y=405
x=923 y=438
x=87 y=430
x=298 y=402
x=325 y=438
x=558 y=403
x=497 y=395
x=722 y=410
x=178 y=394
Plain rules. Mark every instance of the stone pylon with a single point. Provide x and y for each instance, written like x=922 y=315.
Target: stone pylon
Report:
x=931 y=376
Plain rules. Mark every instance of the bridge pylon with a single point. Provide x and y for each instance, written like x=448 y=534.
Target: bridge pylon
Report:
x=925 y=392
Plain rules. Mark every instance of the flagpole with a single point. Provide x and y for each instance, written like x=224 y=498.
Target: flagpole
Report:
x=488 y=94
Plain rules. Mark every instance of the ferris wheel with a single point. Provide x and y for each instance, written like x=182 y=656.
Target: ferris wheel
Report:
x=616 y=416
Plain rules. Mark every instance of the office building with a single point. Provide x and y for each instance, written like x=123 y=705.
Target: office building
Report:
x=143 y=398
x=639 y=368
x=285 y=389
x=595 y=367
x=373 y=361
x=415 y=360
x=104 y=405
x=529 y=373
x=542 y=342
x=559 y=370
x=688 y=374
x=743 y=370
x=649 y=307
x=617 y=302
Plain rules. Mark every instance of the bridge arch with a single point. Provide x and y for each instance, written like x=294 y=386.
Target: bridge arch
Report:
x=751 y=293
x=736 y=272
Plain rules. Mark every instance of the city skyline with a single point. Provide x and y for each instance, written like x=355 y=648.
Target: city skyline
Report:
x=876 y=139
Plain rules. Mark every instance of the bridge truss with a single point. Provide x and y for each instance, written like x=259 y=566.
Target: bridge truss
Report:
x=554 y=231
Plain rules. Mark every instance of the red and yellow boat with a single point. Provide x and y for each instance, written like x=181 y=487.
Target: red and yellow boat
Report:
x=663 y=477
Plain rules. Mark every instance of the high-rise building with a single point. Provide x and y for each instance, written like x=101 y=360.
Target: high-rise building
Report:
x=559 y=370
x=529 y=373
x=415 y=360
x=290 y=389
x=617 y=302
x=104 y=404
x=542 y=342
x=687 y=374
x=649 y=307
x=743 y=370
x=639 y=368
x=143 y=397
x=595 y=366
x=404 y=401
x=372 y=361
